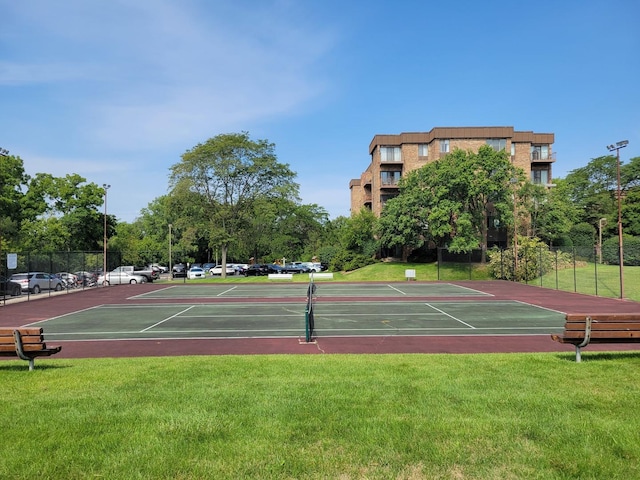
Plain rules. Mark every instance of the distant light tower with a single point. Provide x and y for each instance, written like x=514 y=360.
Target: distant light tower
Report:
x=104 y=243
x=617 y=148
x=170 y=259
x=3 y=153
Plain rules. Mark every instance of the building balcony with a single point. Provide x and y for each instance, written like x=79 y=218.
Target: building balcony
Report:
x=537 y=157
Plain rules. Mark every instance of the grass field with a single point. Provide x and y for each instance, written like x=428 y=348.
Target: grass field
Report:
x=491 y=416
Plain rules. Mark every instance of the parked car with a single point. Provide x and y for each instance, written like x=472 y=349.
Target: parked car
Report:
x=161 y=268
x=179 y=270
x=239 y=267
x=296 y=268
x=256 y=270
x=9 y=287
x=119 y=278
x=70 y=280
x=35 y=282
x=217 y=270
x=196 y=272
x=275 y=268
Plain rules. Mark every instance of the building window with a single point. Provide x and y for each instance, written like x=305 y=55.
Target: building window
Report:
x=444 y=146
x=498 y=144
x=389 y=178
x=539 y=152
x=513 y=149
x=385 y=198
x=540 y=176
x=423 y=150
x=390 y=154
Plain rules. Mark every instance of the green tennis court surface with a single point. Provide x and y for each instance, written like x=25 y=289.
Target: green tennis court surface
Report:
x=292 y=290
x=279 y=311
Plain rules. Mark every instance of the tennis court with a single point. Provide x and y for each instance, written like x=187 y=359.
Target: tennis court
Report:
x=271 y=318
x=279 y=311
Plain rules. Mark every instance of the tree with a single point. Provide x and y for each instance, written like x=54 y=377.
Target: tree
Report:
x=401 y=225
x=451 y=199
x=61 y=213
x=231 y=172
x=13 y=182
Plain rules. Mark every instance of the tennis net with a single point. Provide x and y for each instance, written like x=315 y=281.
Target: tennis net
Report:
x=308 y=312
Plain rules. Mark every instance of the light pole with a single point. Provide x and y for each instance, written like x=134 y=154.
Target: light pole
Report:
x=170 y=259
x=617 y=148
x=601 y=222
x=104 y=242
x=514 y=182
x=3 y=153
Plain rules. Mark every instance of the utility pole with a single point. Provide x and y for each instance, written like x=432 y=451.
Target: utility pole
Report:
x=617 y=148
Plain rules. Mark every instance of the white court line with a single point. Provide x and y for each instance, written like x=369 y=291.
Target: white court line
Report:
x=396 y=289
x=450 y=316
x=166 y=319
x=150 y=294
x=472 y=290
x=227 y=291
x=65 y=315
x=538 y=306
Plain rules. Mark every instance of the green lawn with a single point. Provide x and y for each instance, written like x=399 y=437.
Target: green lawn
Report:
x=490 y=416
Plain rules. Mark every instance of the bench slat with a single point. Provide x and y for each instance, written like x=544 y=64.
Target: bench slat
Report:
x=604 y=317
x=609 y=334
x=23 y=331
x=598 y=326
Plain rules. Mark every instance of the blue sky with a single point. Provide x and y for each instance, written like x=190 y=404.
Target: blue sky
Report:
x=118 y=90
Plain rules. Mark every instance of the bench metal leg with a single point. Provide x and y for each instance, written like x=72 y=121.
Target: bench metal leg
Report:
x=578 y=356
x=32 y=362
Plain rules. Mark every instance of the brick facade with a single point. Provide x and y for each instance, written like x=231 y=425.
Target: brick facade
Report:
x=378 y=182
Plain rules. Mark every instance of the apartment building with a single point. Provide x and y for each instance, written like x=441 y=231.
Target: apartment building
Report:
x=392 y=156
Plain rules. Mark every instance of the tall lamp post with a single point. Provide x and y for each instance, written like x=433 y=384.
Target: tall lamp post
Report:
x=170 y=259
x=104 y=242
x=3 y=153
x=617 y=148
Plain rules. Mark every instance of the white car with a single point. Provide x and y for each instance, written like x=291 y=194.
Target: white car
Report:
x=217 y=270
x=118 y=278
x=196 y=272
x=35 y=282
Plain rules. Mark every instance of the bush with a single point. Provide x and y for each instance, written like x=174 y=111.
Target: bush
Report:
x=346 y=260
x=630 y=250
x=534 y=259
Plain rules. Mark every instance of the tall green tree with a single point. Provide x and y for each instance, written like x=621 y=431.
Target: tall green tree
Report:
x=451 y=199
x=231 y=172
x=13 y=183
x=62 y=213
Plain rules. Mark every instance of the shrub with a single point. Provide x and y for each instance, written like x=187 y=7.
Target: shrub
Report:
x=630 y=250
x=346 y=260
x=534 y=259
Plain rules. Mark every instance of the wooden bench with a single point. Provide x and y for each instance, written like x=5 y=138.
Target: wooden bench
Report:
x=25 y=343
x=580 y=330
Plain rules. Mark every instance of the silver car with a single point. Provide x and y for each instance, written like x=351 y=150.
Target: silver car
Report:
x=35 y=282
x=117 y=278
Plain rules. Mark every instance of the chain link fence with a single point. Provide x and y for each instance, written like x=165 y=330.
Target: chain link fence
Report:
x=582 y=269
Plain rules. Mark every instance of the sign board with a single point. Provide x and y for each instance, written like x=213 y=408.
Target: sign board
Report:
x=12 y=261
